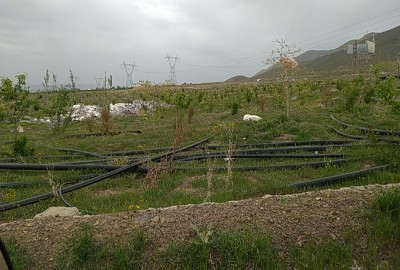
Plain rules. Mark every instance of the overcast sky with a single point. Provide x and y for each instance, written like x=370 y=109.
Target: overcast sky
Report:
x=214 y=39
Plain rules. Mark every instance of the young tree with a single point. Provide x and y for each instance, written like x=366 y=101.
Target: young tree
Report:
x=110 y=82
x=46 y=80
x=16 y=97
x=284 y=54
x=73 y=79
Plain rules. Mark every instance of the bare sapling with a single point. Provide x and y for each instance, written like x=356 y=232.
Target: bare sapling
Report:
x=210 y=165
x=53 y=184
x=229 y=152
x=106 y=119
x=284 y=55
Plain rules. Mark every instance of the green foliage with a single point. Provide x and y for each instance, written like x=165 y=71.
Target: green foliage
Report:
x=22 y=148
x=248 y=95
x=182 y=101
x=389 y=204
x=327 y=255
x=83 y=251
x=383 y=228
x=58 y=108
x=19 y=257
x=235 y=106
x=383 y=154
x=16 y=97
x=386 y=89
x=225 y=250
x=353 y=92
x=131 y=255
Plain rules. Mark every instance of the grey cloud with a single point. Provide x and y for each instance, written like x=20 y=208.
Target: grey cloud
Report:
x=96 y=35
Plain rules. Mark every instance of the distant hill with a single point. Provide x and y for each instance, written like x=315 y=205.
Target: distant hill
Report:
x=336 y=60
x=238 y=78
x=312 y=54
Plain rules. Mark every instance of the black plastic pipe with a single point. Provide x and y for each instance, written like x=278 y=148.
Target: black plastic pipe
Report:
x=213 y=147
x=337 y=178
x=13 y=159
x=42 y=182
x=90 y=154
x=96 y=179
x=61 y=196
x=56 y=167
x=369 y=130
x=295 y=166
x=363 y=137
x=101 y=134
x=224 y=155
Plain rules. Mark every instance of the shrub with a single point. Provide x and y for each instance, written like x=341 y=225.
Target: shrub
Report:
x=21 y=147
x=235 y=108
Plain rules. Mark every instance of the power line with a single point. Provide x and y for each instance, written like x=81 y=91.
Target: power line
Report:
x=128 y=70
x=172 y=60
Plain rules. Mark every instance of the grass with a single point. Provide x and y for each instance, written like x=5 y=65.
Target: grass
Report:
x=331 y=254
x=19 y=257
x=222 y=250
x=209 y=109
x=83 y=251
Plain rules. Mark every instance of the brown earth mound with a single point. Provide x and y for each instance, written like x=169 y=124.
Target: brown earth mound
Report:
x=317 y=215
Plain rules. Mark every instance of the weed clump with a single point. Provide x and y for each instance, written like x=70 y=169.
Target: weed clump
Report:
x=22 y=148
x=223 y=250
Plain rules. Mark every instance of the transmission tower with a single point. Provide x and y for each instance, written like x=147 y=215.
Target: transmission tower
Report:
x=99 y=82
x=128 y=70
x=172 y=62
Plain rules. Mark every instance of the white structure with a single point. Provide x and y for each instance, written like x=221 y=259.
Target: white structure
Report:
x=249 y=117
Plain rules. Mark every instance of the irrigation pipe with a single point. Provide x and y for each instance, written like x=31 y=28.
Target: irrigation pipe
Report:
x=337 y=178
x=96 y=179
x=251 y=156
x=296 y=143
x=60 y=194
x=41 y=182
x=213 y=147
x=22 y=183
x=370 y=130
x=295 y=166
x=101 y=134
x=56 y=167
x=90 y=154
x=362 y=137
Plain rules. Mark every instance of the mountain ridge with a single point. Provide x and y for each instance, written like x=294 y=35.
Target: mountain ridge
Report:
x=337 y=60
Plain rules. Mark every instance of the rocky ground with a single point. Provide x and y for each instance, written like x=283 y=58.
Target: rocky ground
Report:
x=317 y=215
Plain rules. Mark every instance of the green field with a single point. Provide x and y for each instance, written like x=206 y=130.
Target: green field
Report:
x=184 y=115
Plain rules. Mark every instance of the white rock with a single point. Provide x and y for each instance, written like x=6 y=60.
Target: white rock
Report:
x=59 y=211
x=20 y=129
x=249 y=117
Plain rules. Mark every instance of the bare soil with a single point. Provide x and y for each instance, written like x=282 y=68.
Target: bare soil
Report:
x=316 y=215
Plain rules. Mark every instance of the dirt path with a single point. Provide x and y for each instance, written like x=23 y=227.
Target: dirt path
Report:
x=297 y=217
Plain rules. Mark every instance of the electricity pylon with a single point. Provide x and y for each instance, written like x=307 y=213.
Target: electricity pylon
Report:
x=172 y=62
x=99 y=82
x=128 y=70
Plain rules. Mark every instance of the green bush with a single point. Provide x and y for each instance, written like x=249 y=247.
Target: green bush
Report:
x=235 y=106
x=225 y=250
x=21 y=147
